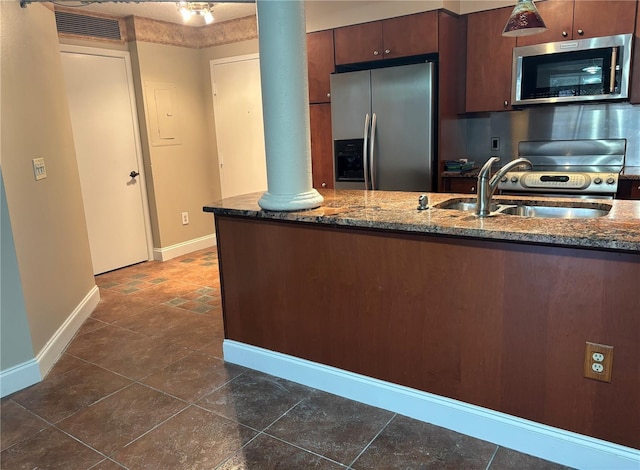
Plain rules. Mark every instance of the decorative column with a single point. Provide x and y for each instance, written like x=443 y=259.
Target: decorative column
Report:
x=285 y=93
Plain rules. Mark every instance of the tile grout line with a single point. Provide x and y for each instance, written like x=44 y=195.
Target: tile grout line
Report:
x=492 y=457
x=371 y=441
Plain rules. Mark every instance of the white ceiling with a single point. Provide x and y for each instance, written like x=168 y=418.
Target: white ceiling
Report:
x=164 y=11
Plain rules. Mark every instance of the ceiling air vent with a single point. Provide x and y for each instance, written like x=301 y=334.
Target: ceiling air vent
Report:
x=90 y=26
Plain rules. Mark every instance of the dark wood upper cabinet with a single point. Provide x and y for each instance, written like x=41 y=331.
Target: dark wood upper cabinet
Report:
x=320 y=65
x=569 y=19
x=603 y=18
x=558 y=16
x=387 y=39
x=410 y=35
x=489 y=58
x=321 y=145
x=358 y=43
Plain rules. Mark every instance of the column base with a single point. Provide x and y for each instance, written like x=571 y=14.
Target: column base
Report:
x=291 y=202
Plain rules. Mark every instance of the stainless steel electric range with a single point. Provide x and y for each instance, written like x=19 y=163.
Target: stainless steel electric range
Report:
x=570 y=168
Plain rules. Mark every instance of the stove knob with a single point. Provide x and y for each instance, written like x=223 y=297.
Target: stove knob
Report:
x=597 y=180
x=514 y=179
x=611 y=180
x=503 y=179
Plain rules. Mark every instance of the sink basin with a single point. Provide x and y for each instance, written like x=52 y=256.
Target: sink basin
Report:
x=555 y=212
x=538 y=208
x=462 y=205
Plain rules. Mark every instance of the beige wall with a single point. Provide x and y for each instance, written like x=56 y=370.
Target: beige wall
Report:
x=47 y=216
x=181 y=177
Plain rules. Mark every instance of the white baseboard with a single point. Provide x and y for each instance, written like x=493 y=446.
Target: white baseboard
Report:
x=19 y=377
x=30 y=372
x=56 y=345
x=546 y=442
x=173 y=251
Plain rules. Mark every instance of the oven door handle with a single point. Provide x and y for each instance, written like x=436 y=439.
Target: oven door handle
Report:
x=614 y=64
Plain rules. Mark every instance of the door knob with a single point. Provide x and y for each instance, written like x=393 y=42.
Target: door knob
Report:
x=134 y=173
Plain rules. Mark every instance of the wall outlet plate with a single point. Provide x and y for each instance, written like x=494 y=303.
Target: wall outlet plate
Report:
x=39 y=170
x=598 y=361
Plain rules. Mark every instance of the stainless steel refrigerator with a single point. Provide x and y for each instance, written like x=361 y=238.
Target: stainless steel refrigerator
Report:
x=383 y=128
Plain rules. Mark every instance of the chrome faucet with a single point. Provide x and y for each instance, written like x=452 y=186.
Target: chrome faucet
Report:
x=486 y=186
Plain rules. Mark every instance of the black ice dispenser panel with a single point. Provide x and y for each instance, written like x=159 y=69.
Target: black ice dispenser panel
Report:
x=349 y=159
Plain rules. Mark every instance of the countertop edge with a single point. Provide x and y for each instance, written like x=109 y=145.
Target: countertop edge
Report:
x=396 y=211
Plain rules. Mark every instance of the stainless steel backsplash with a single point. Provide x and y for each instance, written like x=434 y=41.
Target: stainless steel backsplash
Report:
x=599 y=121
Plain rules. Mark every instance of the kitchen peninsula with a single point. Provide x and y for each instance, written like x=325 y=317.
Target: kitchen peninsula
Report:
x=493 y=312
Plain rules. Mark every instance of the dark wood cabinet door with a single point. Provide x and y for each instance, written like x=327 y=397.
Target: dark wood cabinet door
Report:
x=558 y=16
x=489 y=57
x=410 y=35
x=320 y=65
x=628 y=189
x=321 y=145
x=603 y=18
x=359 y=43
x=460 y=184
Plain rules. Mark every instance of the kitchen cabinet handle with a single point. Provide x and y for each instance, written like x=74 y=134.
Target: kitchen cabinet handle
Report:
x=564 y=34
x=387 y=51
x=506 y=103
x=375 y=53
x=580 y=32
x=473 y=189
x=328 y=95
x=324 y=185
x=614 y=63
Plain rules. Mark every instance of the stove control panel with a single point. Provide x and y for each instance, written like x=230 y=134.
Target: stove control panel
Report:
x=559 y=182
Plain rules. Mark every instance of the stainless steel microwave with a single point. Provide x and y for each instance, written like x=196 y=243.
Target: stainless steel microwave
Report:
x=572 y=71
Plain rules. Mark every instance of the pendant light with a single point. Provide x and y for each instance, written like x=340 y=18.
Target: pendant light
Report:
x=524 y=20
x=190 y=9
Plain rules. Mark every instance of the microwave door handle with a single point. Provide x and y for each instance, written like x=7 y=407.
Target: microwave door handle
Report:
x=372 y=168
x=365 y=160
x=614 y=64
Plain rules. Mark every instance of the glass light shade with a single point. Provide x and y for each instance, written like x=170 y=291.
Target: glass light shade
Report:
x=208 y=17
x=525 y=20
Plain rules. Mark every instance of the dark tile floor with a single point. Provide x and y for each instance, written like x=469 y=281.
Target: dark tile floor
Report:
x=143 y=386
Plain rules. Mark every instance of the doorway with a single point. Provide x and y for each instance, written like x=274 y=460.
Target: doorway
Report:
x=237 y=106
x=101 y=100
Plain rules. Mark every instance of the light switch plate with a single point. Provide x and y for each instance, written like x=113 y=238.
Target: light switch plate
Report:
x=39 y=170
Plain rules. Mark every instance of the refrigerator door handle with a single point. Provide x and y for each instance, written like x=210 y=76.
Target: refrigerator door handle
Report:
x=372 y=167
x=365 y=159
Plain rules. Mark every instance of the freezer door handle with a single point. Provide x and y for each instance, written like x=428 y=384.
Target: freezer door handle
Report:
x=365 y=159
x=372 y=166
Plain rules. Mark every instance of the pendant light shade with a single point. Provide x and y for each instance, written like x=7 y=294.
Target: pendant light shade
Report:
x=524 y=20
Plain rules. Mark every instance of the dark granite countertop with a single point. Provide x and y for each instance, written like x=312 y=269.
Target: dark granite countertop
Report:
x=397 y=211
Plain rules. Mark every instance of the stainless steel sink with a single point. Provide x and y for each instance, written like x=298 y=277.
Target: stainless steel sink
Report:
x=531 y=208
x=462 y=205
x=525 y=210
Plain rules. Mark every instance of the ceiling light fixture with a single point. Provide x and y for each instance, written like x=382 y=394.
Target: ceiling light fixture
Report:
x=524 y=20
x=189 y=9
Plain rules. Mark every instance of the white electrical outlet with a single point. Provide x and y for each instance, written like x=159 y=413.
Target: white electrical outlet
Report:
x=598 y=357
x=597 y=367
x=185 y=218
x=39 y=170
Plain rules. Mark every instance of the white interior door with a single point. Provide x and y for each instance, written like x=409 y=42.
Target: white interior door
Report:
x=237 y=104
x=105 y=133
